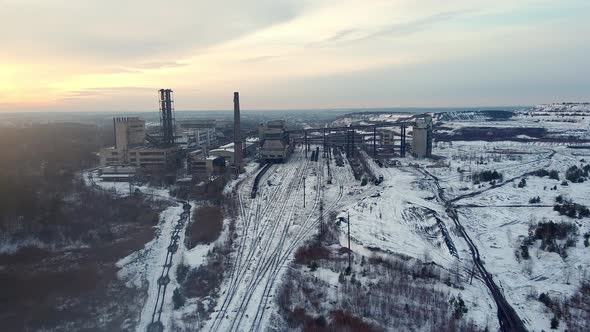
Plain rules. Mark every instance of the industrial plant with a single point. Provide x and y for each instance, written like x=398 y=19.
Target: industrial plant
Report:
x=197 y=148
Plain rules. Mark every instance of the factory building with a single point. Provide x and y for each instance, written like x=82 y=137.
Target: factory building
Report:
x=117 y=173
x=200 y=165
x=197 y=134
x=128 y=132
x=228 y=153
x=275 y=144
x=192 y=139
x=131 y=148
x=422 y=137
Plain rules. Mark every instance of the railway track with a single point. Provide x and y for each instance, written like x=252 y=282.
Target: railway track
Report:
x=261 y=258
x=261 y=211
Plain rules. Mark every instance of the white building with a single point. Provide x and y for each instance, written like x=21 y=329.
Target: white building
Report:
x=422 y=137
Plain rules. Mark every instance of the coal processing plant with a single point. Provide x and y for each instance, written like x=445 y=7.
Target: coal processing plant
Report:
x=197 y=148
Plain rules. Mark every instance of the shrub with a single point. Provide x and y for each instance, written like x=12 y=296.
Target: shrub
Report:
x=553 y=174
x=554 y=323
x=525 y=252
x=546 y=300
x=486 y=176
x=312 y=252
x=522 y=183
x=178 y=299
x=459 y=307
x=575 y=174
x=313 y=266
x=205 y=227
x=571 y=209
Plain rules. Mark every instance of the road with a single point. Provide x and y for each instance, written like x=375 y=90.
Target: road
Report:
x=507 y=316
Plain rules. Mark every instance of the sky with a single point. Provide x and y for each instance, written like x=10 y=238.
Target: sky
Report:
x=113 y=55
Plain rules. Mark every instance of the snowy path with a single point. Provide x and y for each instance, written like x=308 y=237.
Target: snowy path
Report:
x=153 y=266
x=270 y=227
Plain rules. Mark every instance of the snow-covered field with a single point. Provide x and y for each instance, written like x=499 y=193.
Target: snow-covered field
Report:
x=498 y=218
x=405 y=216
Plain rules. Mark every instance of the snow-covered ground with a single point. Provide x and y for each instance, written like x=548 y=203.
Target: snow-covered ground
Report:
x=143 y=268
x=498 y=218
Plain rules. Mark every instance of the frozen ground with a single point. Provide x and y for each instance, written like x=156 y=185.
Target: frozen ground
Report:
x=498 y=218
x=144 y=268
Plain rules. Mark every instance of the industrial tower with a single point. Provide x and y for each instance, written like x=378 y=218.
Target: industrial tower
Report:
x=167 y=122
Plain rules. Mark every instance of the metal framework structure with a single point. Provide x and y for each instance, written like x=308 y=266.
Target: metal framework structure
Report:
x=167 y=121
x=350 y=133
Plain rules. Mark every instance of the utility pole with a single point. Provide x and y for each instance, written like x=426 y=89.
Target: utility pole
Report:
x=305 y=132
x=352 y=151
x=349 y=252
x=304 y=192
x=375 y=142
x=324 y=134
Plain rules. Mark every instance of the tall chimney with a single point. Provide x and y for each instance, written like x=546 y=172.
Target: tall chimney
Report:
x=237 y=135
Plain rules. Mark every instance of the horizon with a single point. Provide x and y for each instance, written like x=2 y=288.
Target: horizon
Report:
x=288 y=54
x=332 y=109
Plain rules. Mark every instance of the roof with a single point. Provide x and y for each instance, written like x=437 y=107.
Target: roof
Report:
x=223 y=150
x=112 y=176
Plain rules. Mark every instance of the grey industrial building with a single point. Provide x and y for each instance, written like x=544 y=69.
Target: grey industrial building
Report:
x=422 y=137
x=275 y=144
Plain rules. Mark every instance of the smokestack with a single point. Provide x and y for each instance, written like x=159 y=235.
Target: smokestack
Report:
x=237 y=135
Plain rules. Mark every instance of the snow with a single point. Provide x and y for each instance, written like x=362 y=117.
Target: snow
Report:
x=402 y=216
x=498 y=219
x=143 y=268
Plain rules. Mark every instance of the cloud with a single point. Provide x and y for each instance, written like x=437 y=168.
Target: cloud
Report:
x=260 y=58
x=356 y=34
x=159 y=65
x=132 y=30
x=106 y=91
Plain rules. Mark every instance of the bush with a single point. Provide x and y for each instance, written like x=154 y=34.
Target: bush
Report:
x=313 y=266
x=546 y=300
x=575 y=174
x=571 y=209
x=554 y=323
x=486 y=176
x=535 y=200
x=459 y=307
x=178 y=299
x=205 y=227
x=309 y=253
x=553 y=174
x=522 y=183
x=525 y=252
